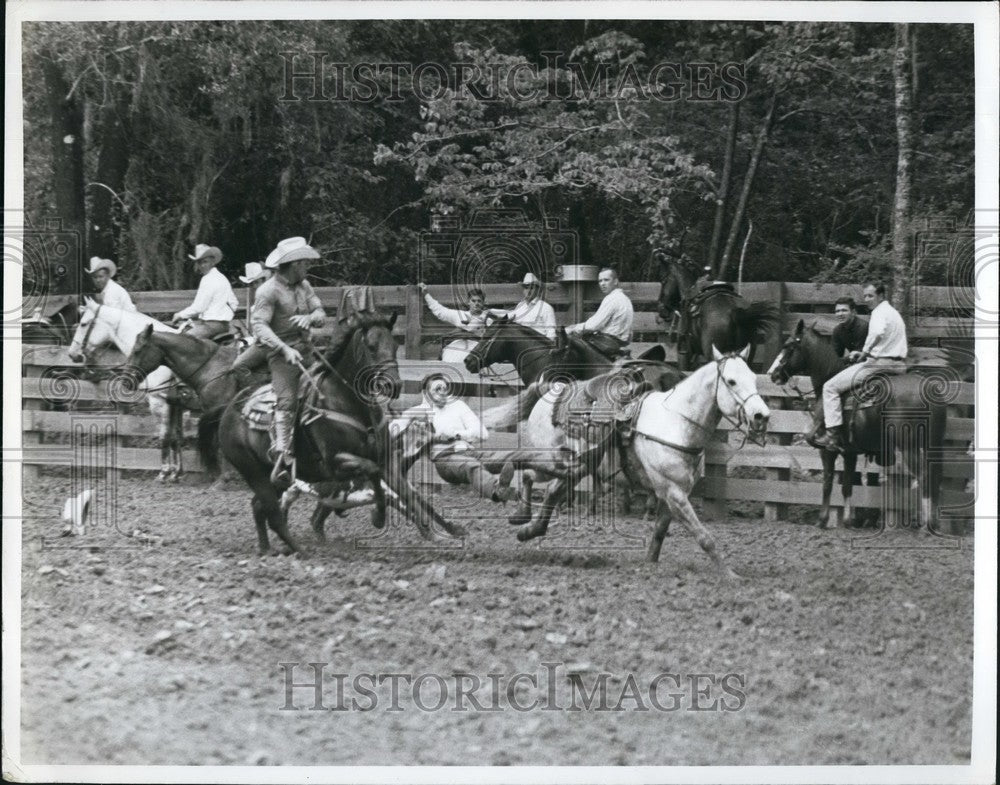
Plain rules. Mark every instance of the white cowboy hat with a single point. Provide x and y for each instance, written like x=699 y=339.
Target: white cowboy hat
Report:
x=290 y=250
x=208 y=253
x=529 y=278
x=97 y=263
x=254 y=272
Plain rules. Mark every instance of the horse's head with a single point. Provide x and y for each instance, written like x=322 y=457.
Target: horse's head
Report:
x=736 y=390
x=145 y=356
x=91 y=332
x=676 y=277
x=793 y=359
x=365 y=354
x=492 y=347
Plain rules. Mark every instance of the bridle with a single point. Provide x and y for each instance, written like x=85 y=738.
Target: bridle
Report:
x=741 y=414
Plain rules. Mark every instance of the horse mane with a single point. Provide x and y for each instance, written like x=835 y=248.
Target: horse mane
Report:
x=363 y=320
x=760 y=319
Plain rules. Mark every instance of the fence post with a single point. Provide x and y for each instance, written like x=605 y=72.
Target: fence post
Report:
x=413 y=317
x=775 y=511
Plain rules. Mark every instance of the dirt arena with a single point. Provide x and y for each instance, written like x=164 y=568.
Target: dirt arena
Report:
x=158 y=637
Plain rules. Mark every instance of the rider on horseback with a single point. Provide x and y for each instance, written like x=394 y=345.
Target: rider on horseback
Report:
x=109 y=292
x=285 y=309
x=610 y=329
x=884 y=353
x=215 y=303
x=532 y=311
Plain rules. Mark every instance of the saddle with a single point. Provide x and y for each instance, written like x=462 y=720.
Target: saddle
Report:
x=592 y=409
x=692 y=304
x=258 y=410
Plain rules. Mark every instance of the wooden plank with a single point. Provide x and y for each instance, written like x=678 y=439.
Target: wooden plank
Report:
x=923 y=327
x=809 y=493
x=797 y=293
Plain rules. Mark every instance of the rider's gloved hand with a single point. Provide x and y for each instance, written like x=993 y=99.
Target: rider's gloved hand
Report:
x=291 y=355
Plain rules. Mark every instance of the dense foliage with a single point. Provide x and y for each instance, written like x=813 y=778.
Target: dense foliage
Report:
x=194 y=132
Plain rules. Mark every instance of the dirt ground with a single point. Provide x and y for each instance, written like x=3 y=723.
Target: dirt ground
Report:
x=158 y=637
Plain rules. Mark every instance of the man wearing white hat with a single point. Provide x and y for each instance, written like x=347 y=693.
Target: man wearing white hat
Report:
x=285 y=309
x=532 y=311
x=109 y=292
x=215 y=303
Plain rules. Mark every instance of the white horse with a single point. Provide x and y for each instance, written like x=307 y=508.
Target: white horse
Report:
x=101 y=325
x=671 y=432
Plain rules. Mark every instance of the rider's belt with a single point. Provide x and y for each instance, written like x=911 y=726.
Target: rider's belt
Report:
x=897 y=359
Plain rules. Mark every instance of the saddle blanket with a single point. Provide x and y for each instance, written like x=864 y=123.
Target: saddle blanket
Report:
x=590 y=409
x=258 y=411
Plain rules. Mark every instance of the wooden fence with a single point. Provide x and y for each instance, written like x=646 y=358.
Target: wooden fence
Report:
x=68 y=421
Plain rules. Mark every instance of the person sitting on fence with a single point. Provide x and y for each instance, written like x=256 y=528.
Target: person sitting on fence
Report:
x=215 y=303
x=457 y=430
x=610 y=329
x=472 y=321
x=254 y=356
x=849 y=335
x=285 y=309
x=532 y=311
x=109 y=292
x=884 y=353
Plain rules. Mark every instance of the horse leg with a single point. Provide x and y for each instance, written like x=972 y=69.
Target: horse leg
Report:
x=829 y=459
x=318 y=521
x=164 y=434
x=260 y=520
x=652 y=505
x=557 y=490
x=662 y=526
x=847 y=486
x=523 y=514
x=177 y=428
x=680 y=508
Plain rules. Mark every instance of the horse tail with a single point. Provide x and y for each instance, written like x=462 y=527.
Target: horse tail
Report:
x=208 y=439
x=760 y=319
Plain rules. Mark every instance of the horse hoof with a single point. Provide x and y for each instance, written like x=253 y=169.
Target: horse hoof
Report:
x=161 y=477
x=519 y=519
x=525 y=533
x=378 y=519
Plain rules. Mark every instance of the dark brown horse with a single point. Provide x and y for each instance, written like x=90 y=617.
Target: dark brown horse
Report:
x=912 y=417
x=341 y=439
x=716 y=316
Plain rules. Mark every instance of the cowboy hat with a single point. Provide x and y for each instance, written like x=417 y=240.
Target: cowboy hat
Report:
x=288 y=250
x=254 y=272
x=206 y=253
x=530 y=278
x=97 y=263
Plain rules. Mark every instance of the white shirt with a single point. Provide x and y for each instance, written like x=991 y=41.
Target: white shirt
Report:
x=215 y=300
x=537 y=314
x=113 y=294
x=455 y=418
x=886 y=333
x=614 y=316
x=456 y=318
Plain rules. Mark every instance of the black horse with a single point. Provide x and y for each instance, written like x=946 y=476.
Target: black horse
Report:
x=54 y=329
x=910 y=405
x=531 y=353
x=341 y=439
x=714 y=316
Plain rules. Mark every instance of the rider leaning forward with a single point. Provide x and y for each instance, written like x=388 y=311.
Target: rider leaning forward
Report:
x=284 y=310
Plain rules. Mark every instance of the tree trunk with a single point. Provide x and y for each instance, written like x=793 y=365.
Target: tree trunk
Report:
x=104 y=221
x=67 y=157
x=902 y=266
x=741 y=205
x=722 y=197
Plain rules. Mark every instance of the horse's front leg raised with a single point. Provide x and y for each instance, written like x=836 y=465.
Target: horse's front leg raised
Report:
x=523 y=514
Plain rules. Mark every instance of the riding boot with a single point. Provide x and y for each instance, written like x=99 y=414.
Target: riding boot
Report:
x=284 y=423
x=832 y=440
x=501 y=488
x=818 y=432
